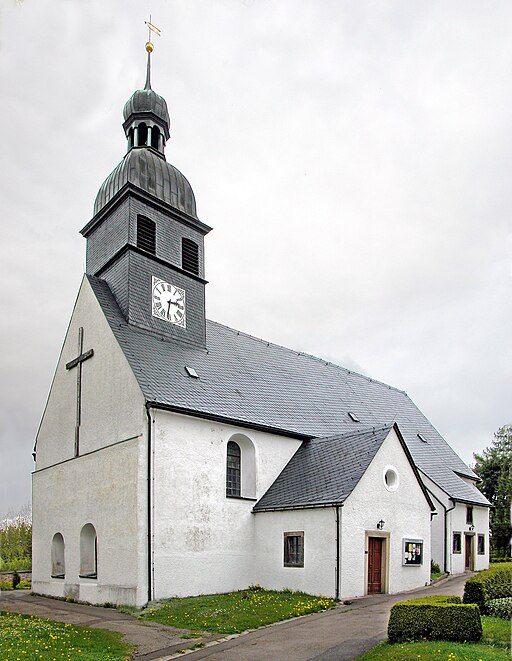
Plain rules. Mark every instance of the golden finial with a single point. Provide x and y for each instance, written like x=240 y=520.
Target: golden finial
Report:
x=149 y=48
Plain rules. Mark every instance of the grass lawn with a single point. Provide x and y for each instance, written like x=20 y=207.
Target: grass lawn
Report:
x=30 y=638
x=494 y=646
x=436 y=574
x=234 y=612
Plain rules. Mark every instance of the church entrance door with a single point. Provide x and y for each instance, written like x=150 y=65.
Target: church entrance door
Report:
x=375 y=565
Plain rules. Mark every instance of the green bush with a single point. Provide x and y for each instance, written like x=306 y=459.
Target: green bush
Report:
x=434 y=618
x=493 y=583
x=493 y=559
x=501 y=608
x=434 y=568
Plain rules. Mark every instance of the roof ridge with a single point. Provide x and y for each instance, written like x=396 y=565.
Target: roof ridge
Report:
x=327 y=363
x=355 y=432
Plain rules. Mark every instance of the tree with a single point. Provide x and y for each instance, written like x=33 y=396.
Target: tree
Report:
x=16 y=540
x=494 y=467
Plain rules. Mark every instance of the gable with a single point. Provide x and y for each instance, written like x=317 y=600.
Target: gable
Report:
x=112 y=404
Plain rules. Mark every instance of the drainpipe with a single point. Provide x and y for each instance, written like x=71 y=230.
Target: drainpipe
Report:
x=338 y=554
x=149 y=512
x=446 y=543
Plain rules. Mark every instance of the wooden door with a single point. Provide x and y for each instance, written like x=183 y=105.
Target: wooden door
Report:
x=374 y=565
x=469 y=552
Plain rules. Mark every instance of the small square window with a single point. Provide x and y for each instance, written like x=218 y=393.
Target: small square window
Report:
x=457 y=542
x=469 y=515
x=481 y=544
x=294 y=549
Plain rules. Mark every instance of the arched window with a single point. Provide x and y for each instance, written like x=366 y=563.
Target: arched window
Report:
x=233 y=469
x=146 y=234
x=58 y=563
x=241 y=467
x=88 y=552
x=143 y=134
x=155 y=135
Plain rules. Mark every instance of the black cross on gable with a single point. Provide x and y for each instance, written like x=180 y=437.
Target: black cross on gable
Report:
x=77 y=362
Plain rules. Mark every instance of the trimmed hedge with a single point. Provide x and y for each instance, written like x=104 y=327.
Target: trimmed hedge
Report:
x=501 y=608
x=493 y=583
x=434 y=618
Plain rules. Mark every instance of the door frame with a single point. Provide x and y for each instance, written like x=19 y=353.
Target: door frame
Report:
x=384 y=568
x=469 y=536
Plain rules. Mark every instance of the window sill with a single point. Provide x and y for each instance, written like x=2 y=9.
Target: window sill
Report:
x=242 y=498
x=287 y=564
x=61 y=576
x=93 y=576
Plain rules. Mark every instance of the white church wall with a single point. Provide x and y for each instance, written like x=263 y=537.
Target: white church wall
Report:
x=112 y=405
x=102 y=489
x=204 y=542
x=439 y=526
x=406 y=514
x=318 y=575
x=457 y=524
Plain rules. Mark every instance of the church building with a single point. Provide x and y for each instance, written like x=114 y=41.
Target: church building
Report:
x=177 y=456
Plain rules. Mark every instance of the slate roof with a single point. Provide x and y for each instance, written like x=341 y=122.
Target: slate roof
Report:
x=324 y=471
x=153 y=174
x=257 y=384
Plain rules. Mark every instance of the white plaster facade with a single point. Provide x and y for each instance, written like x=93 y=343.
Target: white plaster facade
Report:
x=452 y=518
x=106 y=484
x=201 y=540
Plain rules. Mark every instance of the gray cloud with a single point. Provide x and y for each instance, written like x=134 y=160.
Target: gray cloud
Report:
x=353 y=159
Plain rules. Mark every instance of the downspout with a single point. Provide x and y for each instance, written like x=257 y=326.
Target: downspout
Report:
x=446 y=545
x=149 y=512
x=445 y=541
x=338 y=554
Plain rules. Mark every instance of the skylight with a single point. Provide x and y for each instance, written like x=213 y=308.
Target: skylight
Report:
x=353 y=416
x=422 y=438
x=191 y=372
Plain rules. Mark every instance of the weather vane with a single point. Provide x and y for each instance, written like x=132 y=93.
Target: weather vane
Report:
x=151 y=28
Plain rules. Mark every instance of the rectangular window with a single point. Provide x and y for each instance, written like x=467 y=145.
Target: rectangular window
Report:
x=481 y=544
x=294 y=549
x=469 y=515
x=457 y=542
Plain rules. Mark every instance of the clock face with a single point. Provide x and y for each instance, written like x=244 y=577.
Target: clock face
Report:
x=168 y=302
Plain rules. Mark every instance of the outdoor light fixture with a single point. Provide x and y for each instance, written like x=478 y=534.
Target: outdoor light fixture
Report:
x=380 y=524
x=471 y=527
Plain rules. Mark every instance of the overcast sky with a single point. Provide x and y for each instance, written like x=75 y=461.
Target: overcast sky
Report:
x=354 y=159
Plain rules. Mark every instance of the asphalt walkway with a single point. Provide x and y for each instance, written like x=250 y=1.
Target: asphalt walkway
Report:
x=341 y=634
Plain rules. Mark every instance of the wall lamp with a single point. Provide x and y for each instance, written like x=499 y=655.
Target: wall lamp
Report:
x=380 y=524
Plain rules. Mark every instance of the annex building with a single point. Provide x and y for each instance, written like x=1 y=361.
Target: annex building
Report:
x=177 y=456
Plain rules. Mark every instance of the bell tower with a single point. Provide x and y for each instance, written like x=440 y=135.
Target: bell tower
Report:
x=145 y=239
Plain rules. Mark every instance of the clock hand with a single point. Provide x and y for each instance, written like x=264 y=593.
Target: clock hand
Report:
x=169 y=308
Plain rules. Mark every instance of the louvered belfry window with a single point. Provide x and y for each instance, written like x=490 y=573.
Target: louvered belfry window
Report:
x=190 y=256
x=146 y=234
x=233 y=470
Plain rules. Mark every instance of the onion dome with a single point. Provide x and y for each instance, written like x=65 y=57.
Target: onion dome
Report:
x=148 y=171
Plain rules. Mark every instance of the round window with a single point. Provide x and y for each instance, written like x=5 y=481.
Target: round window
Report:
x=391 y=478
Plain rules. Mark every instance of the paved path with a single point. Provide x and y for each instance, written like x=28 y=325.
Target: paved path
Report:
x=341 y=634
